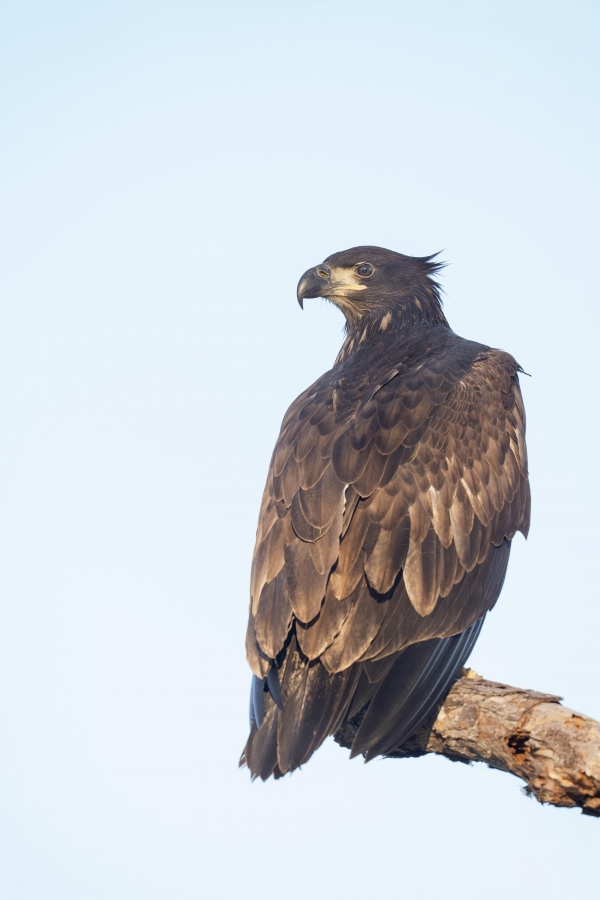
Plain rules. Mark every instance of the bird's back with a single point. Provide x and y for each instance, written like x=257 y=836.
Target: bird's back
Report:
x=396 y=485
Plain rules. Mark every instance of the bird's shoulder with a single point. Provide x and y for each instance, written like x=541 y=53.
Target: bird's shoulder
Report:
x=400 y=363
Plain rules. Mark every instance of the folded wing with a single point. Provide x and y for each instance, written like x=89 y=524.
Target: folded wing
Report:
x=386 y=522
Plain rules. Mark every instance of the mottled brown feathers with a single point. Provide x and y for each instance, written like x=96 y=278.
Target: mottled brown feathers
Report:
x=394 y=478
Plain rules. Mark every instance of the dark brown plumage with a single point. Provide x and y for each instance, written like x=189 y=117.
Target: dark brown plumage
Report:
x=397 y=482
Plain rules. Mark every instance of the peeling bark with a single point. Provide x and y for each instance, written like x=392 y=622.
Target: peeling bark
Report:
x=555 y=750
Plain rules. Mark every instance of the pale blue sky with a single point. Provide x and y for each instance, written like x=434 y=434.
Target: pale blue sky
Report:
x=169 y=171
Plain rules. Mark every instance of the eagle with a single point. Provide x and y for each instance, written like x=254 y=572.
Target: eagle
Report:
x=397 y=483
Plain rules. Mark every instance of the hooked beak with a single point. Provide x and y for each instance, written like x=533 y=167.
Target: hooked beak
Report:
x=314 y=283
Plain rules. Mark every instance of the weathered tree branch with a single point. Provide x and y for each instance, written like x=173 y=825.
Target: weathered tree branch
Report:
x=554 y=750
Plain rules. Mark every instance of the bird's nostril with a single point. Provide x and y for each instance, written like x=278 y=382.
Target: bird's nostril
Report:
x=323 y=271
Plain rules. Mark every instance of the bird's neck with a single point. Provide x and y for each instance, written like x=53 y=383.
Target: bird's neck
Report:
x=385 y=323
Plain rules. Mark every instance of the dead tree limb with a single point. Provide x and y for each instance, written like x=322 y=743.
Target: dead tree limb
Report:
x=554 y=750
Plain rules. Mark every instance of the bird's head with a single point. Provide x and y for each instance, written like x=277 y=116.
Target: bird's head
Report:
x=370 y=282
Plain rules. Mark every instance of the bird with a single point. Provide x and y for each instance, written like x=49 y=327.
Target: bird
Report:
x=396 y=485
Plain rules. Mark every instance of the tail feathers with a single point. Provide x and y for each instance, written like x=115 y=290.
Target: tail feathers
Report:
x=314 y=706
x=315 y=710
x=257 y=702
x=297 y=707
x=260 y=752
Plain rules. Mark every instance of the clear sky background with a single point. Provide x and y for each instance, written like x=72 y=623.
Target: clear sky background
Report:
x=169 y=170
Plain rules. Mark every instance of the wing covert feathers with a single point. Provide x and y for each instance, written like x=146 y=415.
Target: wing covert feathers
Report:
x=395 y=487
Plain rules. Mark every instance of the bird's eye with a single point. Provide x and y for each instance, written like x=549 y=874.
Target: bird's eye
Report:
x=365 y=270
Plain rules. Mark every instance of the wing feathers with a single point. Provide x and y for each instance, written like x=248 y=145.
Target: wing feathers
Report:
x=320 y=504
x=306 y=586
x=274 y=616
x=387 y=558
x=325 y=551
x=393 y=494
x=357 y=632
x=315 y=638
x=413 y=688
x=423 y=572
x=350 y=564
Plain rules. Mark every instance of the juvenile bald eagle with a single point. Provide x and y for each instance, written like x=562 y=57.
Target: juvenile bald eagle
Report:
x=396 y=485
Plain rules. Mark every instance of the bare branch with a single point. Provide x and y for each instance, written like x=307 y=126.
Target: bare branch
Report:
x=554 y=750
